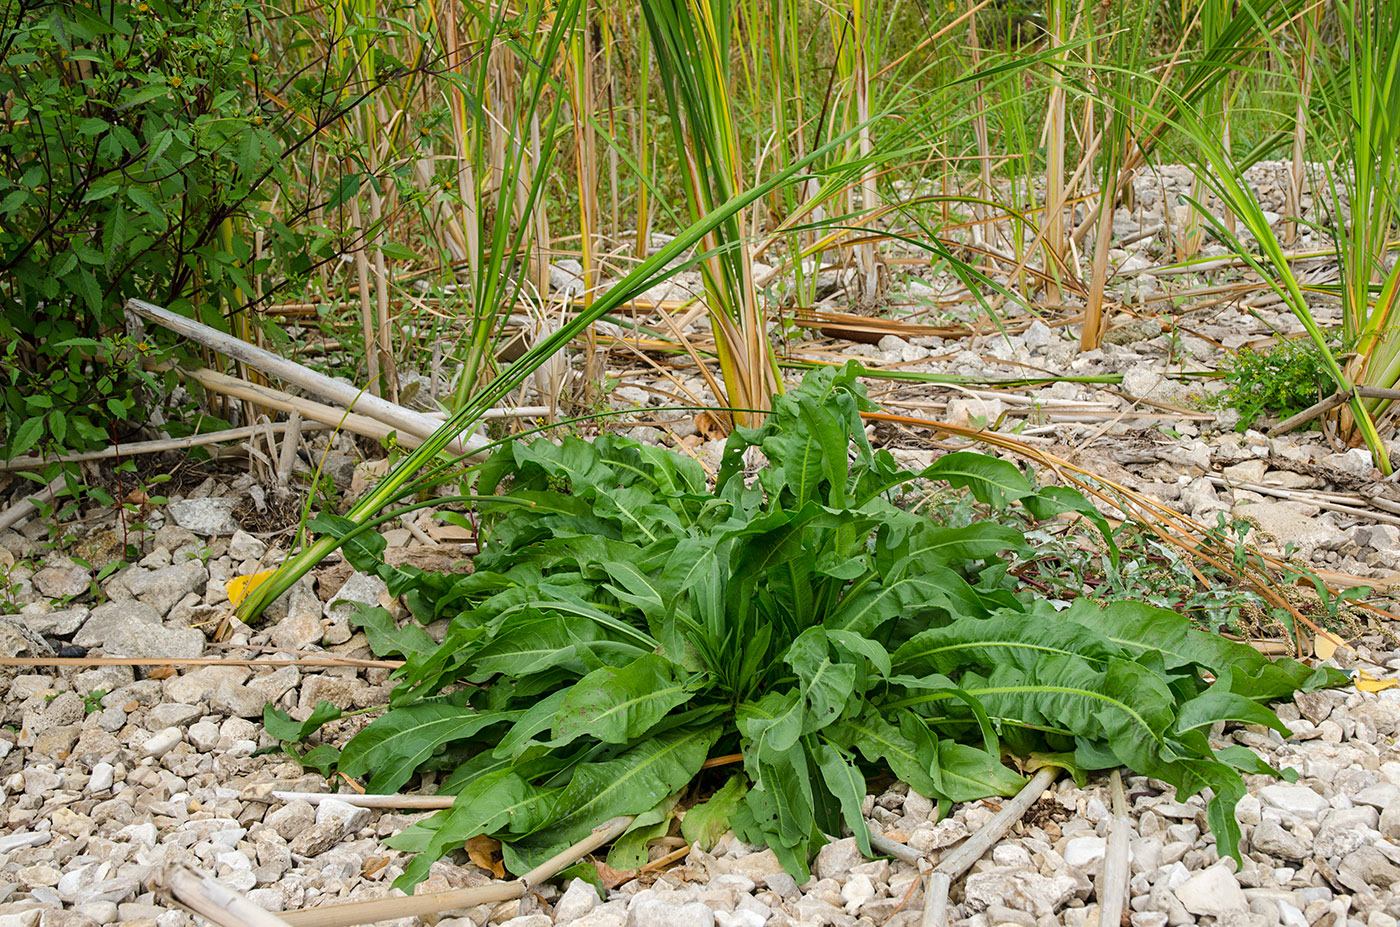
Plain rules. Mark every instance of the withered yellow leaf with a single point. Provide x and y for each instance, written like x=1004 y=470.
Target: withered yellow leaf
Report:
x=240 y=586
x=1368 y=683
x=1326 y=644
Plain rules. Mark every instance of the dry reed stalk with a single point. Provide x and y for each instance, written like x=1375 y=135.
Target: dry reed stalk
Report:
x=369 y=329
x=367 y=912
x=1293 y=203
x=383 y=319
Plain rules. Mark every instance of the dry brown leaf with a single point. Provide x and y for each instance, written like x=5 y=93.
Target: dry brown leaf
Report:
x=612 y=878
x=486 y=853
x=710 y=426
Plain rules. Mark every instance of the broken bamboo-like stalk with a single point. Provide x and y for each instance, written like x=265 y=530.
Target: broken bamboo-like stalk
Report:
x=216 y=903
x=405 y=421
x=367 y=912
x=287 y=455
x=405 y=802
x=1112 y=889
x=273 y=398
x=940 y=879
x=1331 y=402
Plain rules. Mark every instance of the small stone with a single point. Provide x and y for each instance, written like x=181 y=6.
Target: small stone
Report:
x=291 y=819
x=103 y=912
x=837 y=858
x=360 y=587
x=101 y=778
x=578 y=899
x=1271 y=839
x=654 y=912
x=1085 y=853
x=1213 y=891
x=857 y=891
x=63 y=581
x=1249 y=471
x=172 y=714
x=1367 y=868
x=165 y=588
x=1019 y=889
x=204 y=736
x=349 y=818
x=976 y=412
x=317 y=839
x=302 y=627
x=244 y=546
x=205 y=517
x=237 y=701
x=1297 y=800
x=1390 y=823
x=162 y=742
x=1345 y=830
x=134 y=629
x=58 y=623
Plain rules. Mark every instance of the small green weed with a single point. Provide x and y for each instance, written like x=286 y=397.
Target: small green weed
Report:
x=1281 y=381
x=92 y=702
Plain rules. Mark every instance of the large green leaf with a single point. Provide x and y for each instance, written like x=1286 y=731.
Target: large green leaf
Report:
x=496 y=803
x=620 y=704
x=826 y=686
x=634 y=781
x=392 y=747
x=847 y=784
x=1022 y=640
x=993 y=481
x=1140 y=628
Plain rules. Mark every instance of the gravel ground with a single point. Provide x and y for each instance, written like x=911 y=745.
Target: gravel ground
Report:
x=108 y=778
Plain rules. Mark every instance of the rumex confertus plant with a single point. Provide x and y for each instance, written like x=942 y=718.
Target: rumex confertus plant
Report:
x=626 y=621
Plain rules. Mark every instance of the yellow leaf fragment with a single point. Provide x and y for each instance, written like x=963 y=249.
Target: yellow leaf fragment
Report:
x=1326 y=644
x=241 y=586
x=1368 y=683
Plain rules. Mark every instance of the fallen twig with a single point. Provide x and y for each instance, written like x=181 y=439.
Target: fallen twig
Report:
x=29 y=505
x=367 y=912
x=145 y=447
x=1330 y=403
x=196 y=661
x=1308 y=414
x=288 y=455
x=214 y=902
x=1311 y=499
x=952 y=866
x=274 y=398
x=882 y=844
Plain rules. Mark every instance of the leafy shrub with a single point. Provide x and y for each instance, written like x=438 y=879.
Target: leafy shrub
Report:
x=1281 y=381
x=625 y=622
x=128 y=148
